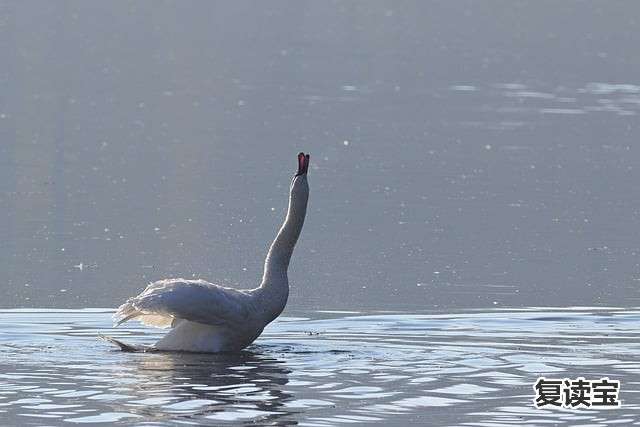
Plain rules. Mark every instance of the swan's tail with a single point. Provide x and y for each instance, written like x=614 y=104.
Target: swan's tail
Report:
x=130 y=348
x=125 y=312
x=128 y=311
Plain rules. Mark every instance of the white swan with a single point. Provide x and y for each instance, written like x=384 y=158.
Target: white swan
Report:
x=210 y=318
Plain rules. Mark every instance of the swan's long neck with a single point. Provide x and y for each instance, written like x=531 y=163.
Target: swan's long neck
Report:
x=275 y=283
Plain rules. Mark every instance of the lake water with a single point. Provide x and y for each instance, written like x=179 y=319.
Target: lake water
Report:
x=464 y=154
x=472 y=368
x=470 y=160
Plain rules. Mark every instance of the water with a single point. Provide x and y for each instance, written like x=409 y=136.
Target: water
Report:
x=473 y=368
x=463 y=154
x=468 y=159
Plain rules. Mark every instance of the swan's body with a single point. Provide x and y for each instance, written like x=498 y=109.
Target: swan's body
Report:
x=204 y=317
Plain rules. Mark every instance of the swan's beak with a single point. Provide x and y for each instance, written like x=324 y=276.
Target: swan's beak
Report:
x=303 y=164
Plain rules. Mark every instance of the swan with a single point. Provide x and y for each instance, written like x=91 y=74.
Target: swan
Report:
x=210 y=318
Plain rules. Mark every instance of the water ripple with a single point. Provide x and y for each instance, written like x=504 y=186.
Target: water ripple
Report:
x=527 y=101
x=320 y=370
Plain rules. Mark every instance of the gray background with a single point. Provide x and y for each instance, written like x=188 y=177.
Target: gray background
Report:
x=465 y=154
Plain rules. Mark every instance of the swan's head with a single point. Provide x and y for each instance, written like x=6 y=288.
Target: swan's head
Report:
x=303 y=164
x=299 y=182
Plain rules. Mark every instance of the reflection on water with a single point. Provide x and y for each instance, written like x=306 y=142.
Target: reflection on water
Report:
x=530 y=101
x=326 y=370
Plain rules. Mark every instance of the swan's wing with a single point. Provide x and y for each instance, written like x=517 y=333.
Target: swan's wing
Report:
x=196 y=300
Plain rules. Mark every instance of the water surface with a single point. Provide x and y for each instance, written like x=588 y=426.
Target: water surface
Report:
x=464 y=154
x=473 y=368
